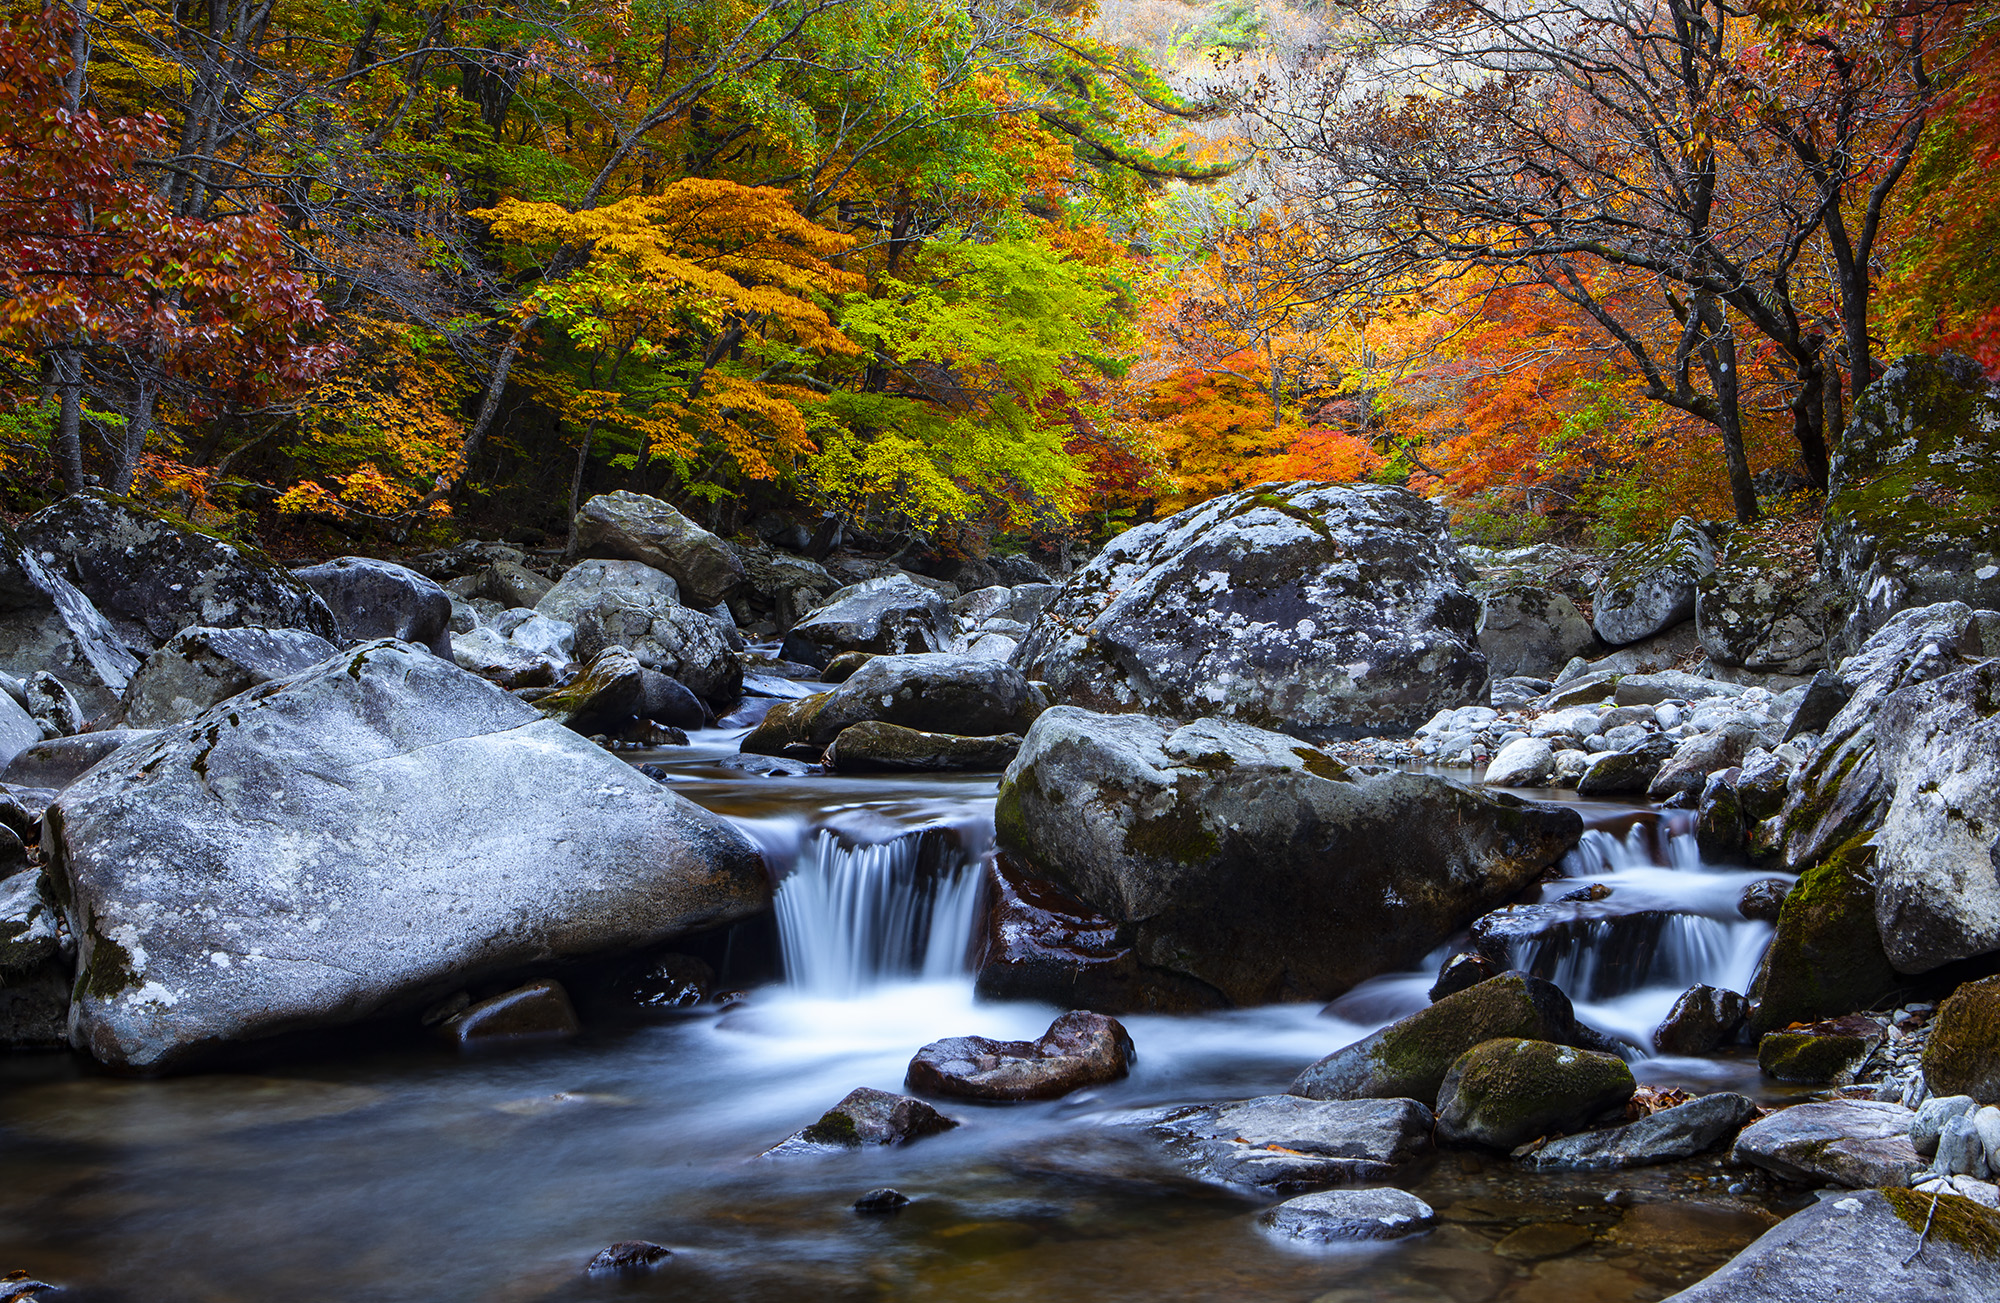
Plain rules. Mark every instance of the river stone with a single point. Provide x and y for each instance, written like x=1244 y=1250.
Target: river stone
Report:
x=1627 y=772
x=512 y=584
x=933 y=693
x=1663 y=1137
x=35 y=967
x=788 y=586
x=1851 y=1142
x=1466 y=969
x=1960 y=1149
x=1318 y=610
x=153 y=577
x=667 y=700
x=1411 y=1056
x=1913 y=495
x=865 y=1117
x=586 y=582
x=1527 y=629
x=1339 y=1216
x=873 y=747
x=1236 y=852
x=1077 y=1051
x=46 y=623
x=635 y=527
x=60 y=761
x=1505 y=1092
x=1721 y=829
x=628 y=1256
x=1821 y=1053
x=1282 y=1142
x=891 y=615
x=1703 y=1020
x=1686 y=770
x=842 y=667
x=1650 y=587
x=1524 y=762
x=201 y=666
x=492 y=655
x=1962 y=1056
x=1826 y=959
x=605 y=695
x=538 y=1011
x=378 y=599
x=630 y=605
x=1931 y=1116
x=359 y=839
x=18 y=729
x=1762 y=610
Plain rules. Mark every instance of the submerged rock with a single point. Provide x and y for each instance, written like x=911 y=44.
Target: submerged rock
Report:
x=537 y=1011
x=1282 y=1142
x=873 y=747
x=1505 y=1092
x=1078 y=1050
x=1851 y=1142
x=1335 y=1216
x=865 y=1117
x=628 y=1255
x=1663 y=1137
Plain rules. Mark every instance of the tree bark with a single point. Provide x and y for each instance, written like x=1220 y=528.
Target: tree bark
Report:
x=68 y=365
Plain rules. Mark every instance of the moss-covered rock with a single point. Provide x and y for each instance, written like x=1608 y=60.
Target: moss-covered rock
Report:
x=1508 y=1091
x=605 y=694
x=1962 y=1056
x=1820 y=1053
x=1827 y=958
x=841 y=668
x=1650 y=587
x=873 y=747
x=1762 y=609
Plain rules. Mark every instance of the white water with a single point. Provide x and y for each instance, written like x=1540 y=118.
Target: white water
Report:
x=853 y=917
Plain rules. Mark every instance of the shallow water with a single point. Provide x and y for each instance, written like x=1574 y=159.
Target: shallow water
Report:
x=413 y=1174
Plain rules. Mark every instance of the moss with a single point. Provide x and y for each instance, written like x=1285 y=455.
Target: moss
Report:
x=1321 y=765
x=1827 y=958
x=1962 y=1056
x=109 y=970
x=1414 y=1054
x=1950 y=1218
x=833 y=1128
x=1506 y=1091
x=1273 y=502
x=1810 y=1058
x=1212 y=762
x=1179 y=834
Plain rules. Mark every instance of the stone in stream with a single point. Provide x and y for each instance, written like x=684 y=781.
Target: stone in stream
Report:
x=1704 y=1019
x=1078 y=1050
x=1627 y=772
x=1505 y=1092
x=360 y=839
x=1931 y=1117
x=1884 y=1246
x=1686 y=771
x=1282 y=1142
x=932 y=693
x=1524 y=762
x=1764 y=900
x=1233 y=853
x=1650 y=587
x=628 y=1256
x=1822 y=1053
x=635 y=527
x=1541 y=939
x=1663 y=1137
x=1525 y=629
x=1826 y=959
x=842 y=667
x=604 y=696
x=884 y=1200
x=200 y=666
x=1411 y=1056
x=865 y=1117
x=1324 y=611
x=1465 y=969
x=1851 y=1142
x=1962 y=1056
x=373 y=599
x=875 y=747
x=588 y=583
x=60 y=761
x=537 y=1011
x=1339 y=1216
x=1721 y=831
x=892 y=615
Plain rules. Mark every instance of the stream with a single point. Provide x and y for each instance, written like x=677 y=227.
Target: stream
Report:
x=405 y=1172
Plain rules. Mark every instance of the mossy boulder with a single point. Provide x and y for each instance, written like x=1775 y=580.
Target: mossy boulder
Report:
x=604 y=696
x=1913 y=495
x=865 y=1117
x=1410 y=1057
x=873 y=747
x=932 y=693
x=1763 y=609
x=1827 y=959
x=1962 y=1056
x=1821 y=1053
x=1508 y=1091
x=1650 y=587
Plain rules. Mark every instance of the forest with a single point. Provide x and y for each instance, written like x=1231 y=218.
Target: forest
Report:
x=975 y=276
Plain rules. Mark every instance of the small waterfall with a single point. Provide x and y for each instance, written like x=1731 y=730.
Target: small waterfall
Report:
x=852 y=917
x=1601 y=958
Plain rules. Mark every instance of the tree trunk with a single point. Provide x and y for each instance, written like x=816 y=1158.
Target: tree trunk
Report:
x=68 y=361
x=576 y=487
x=132 y=447
x=1718 y=356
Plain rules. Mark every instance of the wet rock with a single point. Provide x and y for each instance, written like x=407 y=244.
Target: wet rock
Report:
x=1829 y=1052
x=1538 y=1241
x=1505 y=1092
x=667 y=700
x=1524 y=762
x=892 y=616
x=1282 y=1142
x=1764 y=900
x=1317 y=610
x=1962 y=1056
x=1851 y=1142
x=235 y=877
x=1721 y=831
x=1703 y=1020
x=36 y=966
x=1546 y=940
x=1077 y=1051
x=671 y=981
x=200 y=666
x=539 y=1011
x=1526 y=629
x=60 y=761
x=1650 y=587
x=788 y=586
x=1931 y=1117
x=1826 y=959
x=842 y=667
x=873 y=747
x=883 y=1200
x=1761 y=783
x=377 y=599
x=1467 y=968
x=931 y=693
x=1663 y=1137
x=628 y=1255
x=1234 y=852
x=1686 y=771
x=634 y=527
x=1340 y=1216
x=866 y=1117
x=1410 y=1057
x=604 y=696
x=587 y=583
x=1627 y=772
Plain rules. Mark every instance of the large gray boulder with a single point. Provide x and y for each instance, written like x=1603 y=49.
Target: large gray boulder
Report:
x=1851 y=1142
x=152 y=576
x=1531 y=630
x=788 y=586
x=201 y=666
x=362 y=838
x=1913 y=500
x=18 y=729
x=585 y=583
x=47 y=624
x=1234 y=853
x=1650 y=587
x=638 y=528
x=379 y=599
x=1762 y=609
x=633 y=605
x=933 y=693
x=891 y=615
x=1324 y=611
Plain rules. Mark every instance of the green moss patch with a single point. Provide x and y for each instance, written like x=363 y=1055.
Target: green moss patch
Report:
x=1951 y=1218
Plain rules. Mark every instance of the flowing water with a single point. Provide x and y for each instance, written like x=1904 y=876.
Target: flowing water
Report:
x=402 y=1172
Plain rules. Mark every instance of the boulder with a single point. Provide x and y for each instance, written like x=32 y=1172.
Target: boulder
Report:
x=1234 y=852
x=36 y=966
x=1650 y=587
x=1931 y=1117
x=60 y=761
x=1505 y=1092
x=893 y=615
x=1524 y=762
x=359 y=839
x=538 y=1011
x=873 y=747
x=1913 y=497
x=586 y=582
x=1827 y=958
x=865 y=1117
x=45 y=622
x=152 y=576
x=378 y=599
x=631 y=605
x=1764 y=899
x=1318 y=610
x=1886 y=1246
x=1282 y=1142
x=201 y=666
x=1703 y=1020
x=932 y=693
x=18 y=730
x=50 y=703
x=1663 y=1137
x=1342 y=1216
x=635 y=527
x=1411 y=1056
x=1962 y=1056
x=605 y=695
x=1763 y=609
x=1527 y=629
x=492 y=655
x=1850 y=1142
x=1077 y=1051
x=666 y=700
x=1685 y=772
x=1721 y=831
x=512 y=584
x=1822 y=1053
x=788 y=586
x=1627 y=772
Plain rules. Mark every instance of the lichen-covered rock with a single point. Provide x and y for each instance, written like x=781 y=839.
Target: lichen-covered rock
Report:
x=605 y=695
x=378 y=599
x=364 y=837
x=47 y=624
x=1763 y=610
x=865 y=1117
x=1686 y=771
x=1703 y=1019
x=1505 y=1092
x=1821 y=1053
x=931 y=692
x=629 y=604
x=892 y=615
x=788 y=586
x=586 y=582
x=1318 y=610
x=1650 y=587
x=52 y=705
x=1850 y=1142
x=1663 y=1137
x=1913 y=495
x=1962 y=1056
x=872 y=747
x=1410 y=1057
x=1234 y=852
x=1528 y=629
x=1344 y=1216
x=1524 y=762
x=1827 y=957
x=1282 y=1142
x=634 y=527
x=200 y=666
x=1078 y=1050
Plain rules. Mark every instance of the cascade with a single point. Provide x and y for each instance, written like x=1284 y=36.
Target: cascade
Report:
x=854 y=917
